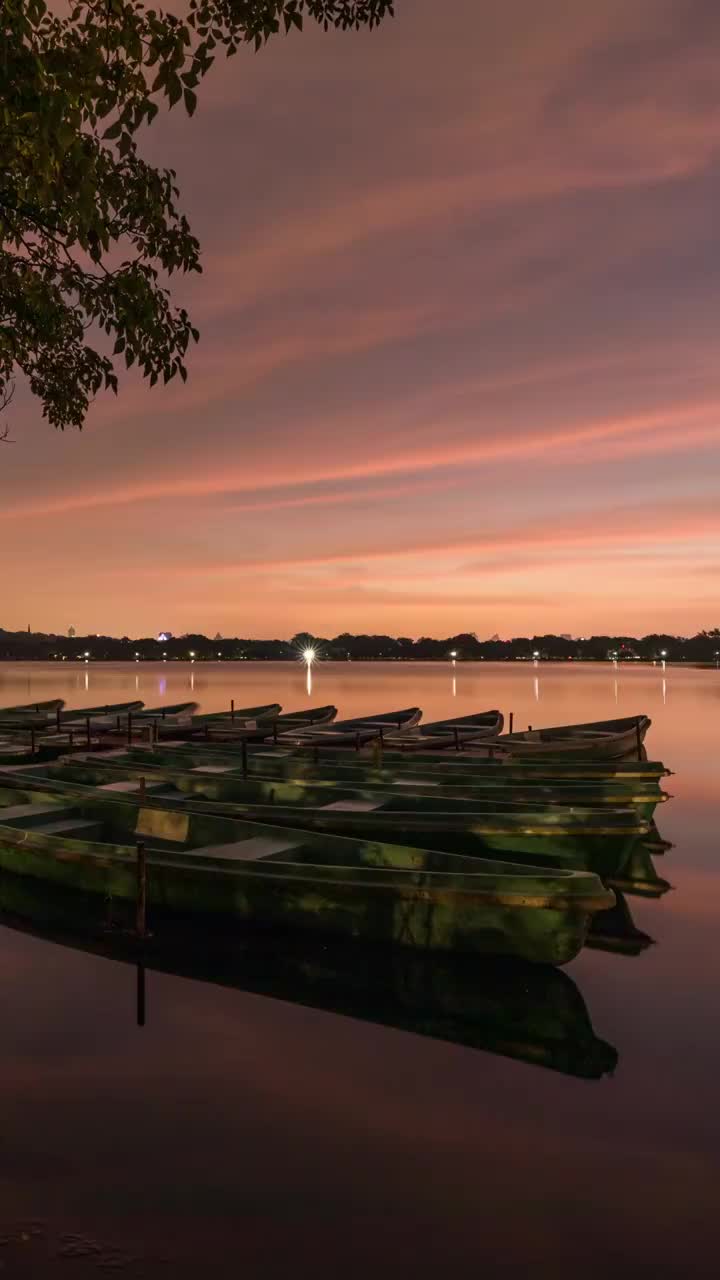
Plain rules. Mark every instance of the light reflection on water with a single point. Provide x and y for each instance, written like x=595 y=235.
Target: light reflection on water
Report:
x=238 y=1133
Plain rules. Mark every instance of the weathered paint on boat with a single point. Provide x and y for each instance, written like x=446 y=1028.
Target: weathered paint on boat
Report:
x=410 y=774
x=274 y=727
x=439 y=734
x=600 y=841
x=360 y=729
x=600 y=738
x=530 y=1013
x=51 y=704
x=274 y=876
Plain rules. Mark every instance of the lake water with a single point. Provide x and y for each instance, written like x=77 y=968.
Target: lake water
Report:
x=243 y=1134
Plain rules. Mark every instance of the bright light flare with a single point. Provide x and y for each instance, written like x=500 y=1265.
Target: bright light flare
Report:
x=309 y=655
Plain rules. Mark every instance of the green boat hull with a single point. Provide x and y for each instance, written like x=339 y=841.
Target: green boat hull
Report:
x=601 y=841
x=530 y=1013
x=234 y=789
x=618 y=791
x=370 y=891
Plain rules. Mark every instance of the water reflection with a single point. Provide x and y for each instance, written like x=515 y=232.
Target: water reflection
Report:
x=615 y=930
x=532 y=1013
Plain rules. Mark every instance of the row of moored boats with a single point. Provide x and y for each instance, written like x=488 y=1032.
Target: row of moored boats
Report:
x=450 y=836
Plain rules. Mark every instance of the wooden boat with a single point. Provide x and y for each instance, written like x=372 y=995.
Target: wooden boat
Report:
x=602 y=841
x=275 y=726
x=360 y=729
x=51 y=704
x=234 y=715
x=601 y=738
x=448 y=733
x=226 y=781
x=77 y=717
x=530 y=1013
x=173 y=711
x=277 y=877
x=408 y=773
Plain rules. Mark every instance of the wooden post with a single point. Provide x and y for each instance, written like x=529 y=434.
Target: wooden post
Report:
x=141 y=902
x=243 y=749
x=529 y=728
x=70 y=739
x=232 y=710
x=141 y=995
x=512 y=718
x=57 y=719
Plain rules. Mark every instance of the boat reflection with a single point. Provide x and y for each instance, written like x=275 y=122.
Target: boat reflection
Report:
x=531 y=1013
x=615 y=930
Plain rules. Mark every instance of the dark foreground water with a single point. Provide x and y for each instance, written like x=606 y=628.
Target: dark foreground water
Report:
x=246 y=1134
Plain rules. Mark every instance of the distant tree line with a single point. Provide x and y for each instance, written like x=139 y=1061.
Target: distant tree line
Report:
x=25 y=645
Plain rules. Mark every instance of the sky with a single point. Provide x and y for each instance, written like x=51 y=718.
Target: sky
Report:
x=459 y=361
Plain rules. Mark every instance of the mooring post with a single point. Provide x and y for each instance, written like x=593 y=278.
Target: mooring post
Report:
x=512 y=718
x=232 y=709
x=529 y=728
x=243 y=748
x=141 y=995
x=141 y=902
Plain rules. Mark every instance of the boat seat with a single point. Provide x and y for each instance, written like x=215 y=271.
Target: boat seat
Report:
x=247 y=850
x=414 y=782
x=354 y=806
x=127 y=785
x=9 y=812
x=67 y=826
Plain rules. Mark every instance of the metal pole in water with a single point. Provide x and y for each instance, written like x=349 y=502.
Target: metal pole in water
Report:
x=141 y=995
x=141 y=901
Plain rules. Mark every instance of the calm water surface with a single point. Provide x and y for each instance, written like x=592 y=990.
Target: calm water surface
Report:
x=237 y=1134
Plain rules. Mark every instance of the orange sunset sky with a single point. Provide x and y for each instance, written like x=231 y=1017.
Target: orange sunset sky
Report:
x=459 y=364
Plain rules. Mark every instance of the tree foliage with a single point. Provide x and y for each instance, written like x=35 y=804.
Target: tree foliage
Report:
x=89 y=231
